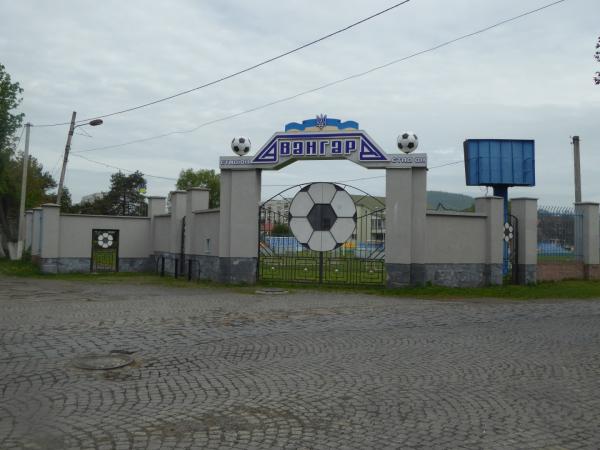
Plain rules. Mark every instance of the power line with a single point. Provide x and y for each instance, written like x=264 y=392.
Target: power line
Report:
x=327 y=85
x=264 y=185
x=20 y=136
x=235 y=74
x=124 y=170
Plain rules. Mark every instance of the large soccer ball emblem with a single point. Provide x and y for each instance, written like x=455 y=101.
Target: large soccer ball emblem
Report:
x=240 y=145
x=322 y=216
x=408 y=142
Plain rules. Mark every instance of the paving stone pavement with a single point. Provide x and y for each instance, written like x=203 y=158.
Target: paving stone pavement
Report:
x=216 y=368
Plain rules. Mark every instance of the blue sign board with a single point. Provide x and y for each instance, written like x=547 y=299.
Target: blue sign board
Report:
x=499 y=162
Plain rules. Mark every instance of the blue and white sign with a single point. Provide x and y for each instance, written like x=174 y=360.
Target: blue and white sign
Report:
x=322 y=139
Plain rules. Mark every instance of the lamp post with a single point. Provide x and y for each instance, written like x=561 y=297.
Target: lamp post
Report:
x=72 y=127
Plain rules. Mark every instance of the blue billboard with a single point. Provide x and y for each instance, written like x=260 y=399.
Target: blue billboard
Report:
x=499 y=162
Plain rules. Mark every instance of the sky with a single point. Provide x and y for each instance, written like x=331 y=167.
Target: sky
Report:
x=528 y=79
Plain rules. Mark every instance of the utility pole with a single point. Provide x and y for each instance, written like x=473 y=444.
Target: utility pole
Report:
x=21 y=235
x=577 y=169
x=65 y=158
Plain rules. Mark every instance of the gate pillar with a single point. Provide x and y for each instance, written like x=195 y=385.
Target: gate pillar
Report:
x=406 y=208
x=238 y=230
x=525 y=210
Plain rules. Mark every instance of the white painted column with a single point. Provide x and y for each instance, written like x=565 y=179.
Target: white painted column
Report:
x=238 y=234
x=525 y=210
x=399 y=226
x=493 y=208
x=590 y=238
x=50 y=238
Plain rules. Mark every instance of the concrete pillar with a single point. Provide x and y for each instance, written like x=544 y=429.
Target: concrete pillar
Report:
x=406 y=208
x=197 y=200
x=590 y=238
x=156 y=206
x=418 y=272
x=50 y=238
x=28 y=229
x=178 y=206
x=36 y=234
x=525 y=210
x=493 y=208
x=238 y=235
x=398 y=226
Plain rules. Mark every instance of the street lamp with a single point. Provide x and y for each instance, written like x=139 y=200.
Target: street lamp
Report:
x=93 y=123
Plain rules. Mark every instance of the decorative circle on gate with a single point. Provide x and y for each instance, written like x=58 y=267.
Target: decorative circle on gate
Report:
x=322 y=216
x=508 y=232
x=105 y=240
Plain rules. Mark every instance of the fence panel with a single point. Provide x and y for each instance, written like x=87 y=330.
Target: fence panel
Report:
x=560 y=234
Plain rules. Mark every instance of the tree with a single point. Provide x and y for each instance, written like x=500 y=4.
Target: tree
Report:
x=39 y=182
x=205 y=178
x=125 y=197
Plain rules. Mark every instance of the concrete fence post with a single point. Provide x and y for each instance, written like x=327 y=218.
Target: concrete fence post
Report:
x=50 y=238
x=36 y=239
x=525 y=210
x=238 y=234
x=493 y=208
x=156 y=206
x=197 y=200
x=178 y=205
x=590 y=239
x=28 y=229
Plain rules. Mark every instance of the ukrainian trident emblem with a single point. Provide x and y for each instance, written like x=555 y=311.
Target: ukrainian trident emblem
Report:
x=321 y=121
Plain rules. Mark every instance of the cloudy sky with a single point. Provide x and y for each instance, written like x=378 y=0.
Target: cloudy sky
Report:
x=531 y=78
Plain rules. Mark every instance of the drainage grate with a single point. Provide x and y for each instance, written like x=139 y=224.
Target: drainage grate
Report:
x=102 y=362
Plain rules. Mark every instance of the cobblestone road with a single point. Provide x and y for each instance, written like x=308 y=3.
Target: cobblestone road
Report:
x=220 y=369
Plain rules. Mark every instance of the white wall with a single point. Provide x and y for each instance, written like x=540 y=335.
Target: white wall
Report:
x=162 y=229
x=206 y=227
x=455 y=238
x=75 y=238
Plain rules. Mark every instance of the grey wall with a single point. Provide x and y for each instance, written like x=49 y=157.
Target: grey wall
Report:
x=206 y=228
x=76 y=235
x=455 y=238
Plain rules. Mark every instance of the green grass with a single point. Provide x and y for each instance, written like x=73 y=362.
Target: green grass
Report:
x=572 y=289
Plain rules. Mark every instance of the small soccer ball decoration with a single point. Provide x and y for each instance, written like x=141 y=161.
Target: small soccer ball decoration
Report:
x=408 y=142
x=241 y=145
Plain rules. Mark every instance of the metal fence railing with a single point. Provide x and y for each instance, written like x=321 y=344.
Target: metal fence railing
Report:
x=560 y=234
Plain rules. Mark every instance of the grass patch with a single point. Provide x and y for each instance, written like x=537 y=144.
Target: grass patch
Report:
x=24 y=268
x=572 y=289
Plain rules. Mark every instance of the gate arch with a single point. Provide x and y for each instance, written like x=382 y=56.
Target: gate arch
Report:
x=360 y=260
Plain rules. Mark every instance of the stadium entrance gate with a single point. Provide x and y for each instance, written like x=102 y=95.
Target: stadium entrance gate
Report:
x=359 y=260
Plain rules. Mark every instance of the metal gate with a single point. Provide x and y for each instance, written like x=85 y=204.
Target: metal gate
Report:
x=511 y=254
x=105 y=251
x=358 y=261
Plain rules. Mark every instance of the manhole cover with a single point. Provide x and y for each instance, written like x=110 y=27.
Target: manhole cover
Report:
x=271 y=291
x=102 y=362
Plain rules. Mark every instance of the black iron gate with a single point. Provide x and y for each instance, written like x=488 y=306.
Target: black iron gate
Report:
x=105 y=251
x=360 y=260
x=511 y=256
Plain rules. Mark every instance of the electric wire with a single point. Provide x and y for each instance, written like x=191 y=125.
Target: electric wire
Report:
x=327 y=85
x=264 y=185
x=232 y=75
